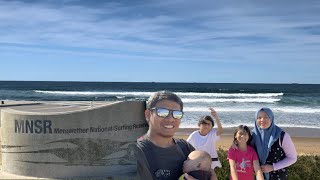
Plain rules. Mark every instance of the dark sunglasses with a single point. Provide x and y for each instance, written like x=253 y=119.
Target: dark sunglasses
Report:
x=164 y=112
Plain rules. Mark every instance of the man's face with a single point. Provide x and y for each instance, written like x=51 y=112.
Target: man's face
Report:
x=160 y=126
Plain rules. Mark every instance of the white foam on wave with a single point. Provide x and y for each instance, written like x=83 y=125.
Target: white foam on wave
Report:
x=235 y=109
x=92 y=93
x=226 y=125
x=230 y=94
x=265 y=100
x=182 y=94
x=205 y=109
x=297 y=110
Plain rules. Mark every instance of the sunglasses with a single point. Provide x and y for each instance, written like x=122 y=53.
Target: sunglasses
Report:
x=164 y=112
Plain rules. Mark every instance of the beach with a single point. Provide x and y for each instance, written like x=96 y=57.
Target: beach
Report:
x=306 y=140
x=305 y=145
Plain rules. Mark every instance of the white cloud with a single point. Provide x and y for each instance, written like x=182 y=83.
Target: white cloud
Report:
x=166 y=30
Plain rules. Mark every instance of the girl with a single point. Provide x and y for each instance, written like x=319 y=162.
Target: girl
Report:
x=243 y=160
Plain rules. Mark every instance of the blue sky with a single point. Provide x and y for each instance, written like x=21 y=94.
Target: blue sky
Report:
x=162 y=41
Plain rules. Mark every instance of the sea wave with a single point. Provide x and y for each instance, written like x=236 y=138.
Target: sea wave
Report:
x=182 y=94
x=93 y=93
x=234 y=109
x=264 y=100
x=227 y=125
x=231 y=94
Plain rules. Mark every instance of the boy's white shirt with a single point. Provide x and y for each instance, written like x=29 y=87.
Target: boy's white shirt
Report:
x=206 y=143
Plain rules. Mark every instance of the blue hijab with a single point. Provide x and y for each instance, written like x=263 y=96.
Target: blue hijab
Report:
x=264 y=138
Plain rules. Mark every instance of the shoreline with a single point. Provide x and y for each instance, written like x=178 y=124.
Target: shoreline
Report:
x=293 y=131
x=305 y=145
x=306 y=140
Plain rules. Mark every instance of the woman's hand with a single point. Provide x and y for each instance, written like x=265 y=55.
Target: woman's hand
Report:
x=266 y=168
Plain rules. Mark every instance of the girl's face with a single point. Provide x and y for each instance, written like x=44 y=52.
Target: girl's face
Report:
x=205 y=128
x=242 y=137
x=263 y=120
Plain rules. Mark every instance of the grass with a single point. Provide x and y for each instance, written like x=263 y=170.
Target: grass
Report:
x=307 y=167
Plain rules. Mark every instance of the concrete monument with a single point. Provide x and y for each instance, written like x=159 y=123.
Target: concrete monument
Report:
x=93 y=142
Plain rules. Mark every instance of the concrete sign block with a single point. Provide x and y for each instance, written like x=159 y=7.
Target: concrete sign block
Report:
x=94 y=142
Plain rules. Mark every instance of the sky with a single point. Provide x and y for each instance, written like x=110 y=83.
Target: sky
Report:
x=214 y=41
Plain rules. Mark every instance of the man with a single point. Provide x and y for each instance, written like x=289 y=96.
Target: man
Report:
x=159 y=155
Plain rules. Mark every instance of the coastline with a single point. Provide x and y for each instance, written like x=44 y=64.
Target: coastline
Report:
x=293 y=131
x=306 y=140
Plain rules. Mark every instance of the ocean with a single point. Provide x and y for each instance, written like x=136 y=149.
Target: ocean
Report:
x=294 y=105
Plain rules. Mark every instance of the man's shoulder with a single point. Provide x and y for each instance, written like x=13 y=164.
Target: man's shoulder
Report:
x=143 y=143
x=183 y=141
x=185 y=145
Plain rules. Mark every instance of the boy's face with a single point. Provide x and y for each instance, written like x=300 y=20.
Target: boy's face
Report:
x=205 y=127
x=192 y=163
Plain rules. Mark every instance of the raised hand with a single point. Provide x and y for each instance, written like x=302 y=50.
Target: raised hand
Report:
x=213 y=112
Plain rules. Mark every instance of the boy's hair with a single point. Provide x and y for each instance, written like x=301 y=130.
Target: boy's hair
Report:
x=163 y=95
x=203 y=118
x=242 y=128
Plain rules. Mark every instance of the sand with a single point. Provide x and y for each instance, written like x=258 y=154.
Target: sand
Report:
x=304 y=145
x=306 y=140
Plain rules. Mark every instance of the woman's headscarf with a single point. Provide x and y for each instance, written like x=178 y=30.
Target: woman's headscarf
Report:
x=264 y=138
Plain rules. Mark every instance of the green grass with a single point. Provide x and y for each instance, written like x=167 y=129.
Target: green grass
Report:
x=307 y=167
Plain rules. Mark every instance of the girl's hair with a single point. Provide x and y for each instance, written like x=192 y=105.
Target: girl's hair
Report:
x=245 y=129
x=203 y=118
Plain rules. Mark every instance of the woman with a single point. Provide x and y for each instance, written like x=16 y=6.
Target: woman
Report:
x=275 y=148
